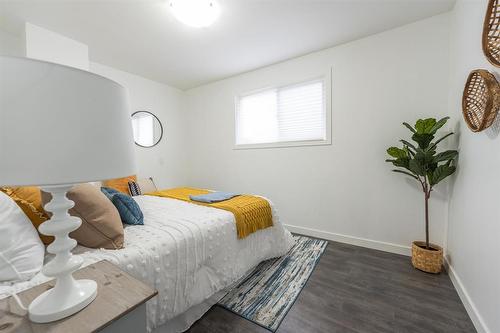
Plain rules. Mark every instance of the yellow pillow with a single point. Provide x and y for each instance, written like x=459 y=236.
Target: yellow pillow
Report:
x=29 y=199
x=120 y=184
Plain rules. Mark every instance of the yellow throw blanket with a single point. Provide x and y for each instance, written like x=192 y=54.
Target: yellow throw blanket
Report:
x=251 y=213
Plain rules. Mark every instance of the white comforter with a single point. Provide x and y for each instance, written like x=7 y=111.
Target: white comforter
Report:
x=187 y=252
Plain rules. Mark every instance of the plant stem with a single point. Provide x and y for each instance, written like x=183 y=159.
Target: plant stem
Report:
x=426 y=220
x=427 y=188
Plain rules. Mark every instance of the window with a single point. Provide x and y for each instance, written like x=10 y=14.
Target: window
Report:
x=289 y=115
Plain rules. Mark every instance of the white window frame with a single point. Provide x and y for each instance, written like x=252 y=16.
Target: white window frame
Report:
x=327 y=95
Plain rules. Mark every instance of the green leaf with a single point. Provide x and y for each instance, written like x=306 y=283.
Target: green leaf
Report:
x=397 y=152
x=429 y=176
x=424 y=126
x=445 y=156
x=402 y=163
x=423 y=140
x=434 y=145
x=441 y=173
x=419 y=158
x=409 y=127
x=431 y=167
x=406 y=173
x=416 y=167
x=438 y=125
x=408 y=144
x=425 y=156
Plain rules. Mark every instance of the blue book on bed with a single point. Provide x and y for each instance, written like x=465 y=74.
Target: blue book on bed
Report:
x=213 y=197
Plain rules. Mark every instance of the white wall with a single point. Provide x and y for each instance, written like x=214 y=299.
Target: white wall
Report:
x=474 y=223
x=47 y=45
x=345 y=188
x=165 y=161
x=11 y=45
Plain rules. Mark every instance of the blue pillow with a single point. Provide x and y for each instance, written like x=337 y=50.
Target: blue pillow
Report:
x=130 y=212
x=109 y=192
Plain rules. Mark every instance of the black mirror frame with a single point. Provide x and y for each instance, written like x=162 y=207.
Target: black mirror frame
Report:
x=159 y=122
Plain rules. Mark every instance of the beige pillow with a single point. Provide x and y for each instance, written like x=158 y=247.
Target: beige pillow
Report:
x=101 y=224
x=142 y=186
x=147 y=185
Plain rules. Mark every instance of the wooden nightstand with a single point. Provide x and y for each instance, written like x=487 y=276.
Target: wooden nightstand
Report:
x=120 y=305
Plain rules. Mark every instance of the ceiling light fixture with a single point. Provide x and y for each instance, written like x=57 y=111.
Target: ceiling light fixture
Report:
x=195 y=13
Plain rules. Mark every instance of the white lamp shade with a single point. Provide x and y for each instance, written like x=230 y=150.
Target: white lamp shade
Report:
x=61 y=125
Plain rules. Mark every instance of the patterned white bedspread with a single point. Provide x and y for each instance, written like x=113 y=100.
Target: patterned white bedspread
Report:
x=187 y=252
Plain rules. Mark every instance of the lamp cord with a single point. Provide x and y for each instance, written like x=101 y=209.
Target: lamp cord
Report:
x=19 y=303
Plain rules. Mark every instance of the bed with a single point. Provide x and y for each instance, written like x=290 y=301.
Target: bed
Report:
x=189 y=253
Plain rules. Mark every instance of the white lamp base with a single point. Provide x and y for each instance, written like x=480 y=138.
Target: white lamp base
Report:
x=69 y=295
x=61 y=302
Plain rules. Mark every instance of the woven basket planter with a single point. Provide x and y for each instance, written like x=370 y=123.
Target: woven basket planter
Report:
x=430 y=261
x=491 y=33
x=480 y=100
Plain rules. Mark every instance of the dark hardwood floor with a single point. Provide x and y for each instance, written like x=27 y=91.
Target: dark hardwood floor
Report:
x=354 y=289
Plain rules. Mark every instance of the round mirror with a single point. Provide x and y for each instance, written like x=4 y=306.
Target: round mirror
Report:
x=147 y=128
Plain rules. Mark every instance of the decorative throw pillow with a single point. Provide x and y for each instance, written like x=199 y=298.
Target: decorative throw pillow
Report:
x=134 y=189
x=120 y=184
x=29 y=199
x=142 y=186
x=101 y=225
x=109 y=192
x=129 y=210
x=147 y=185
x=21 y=250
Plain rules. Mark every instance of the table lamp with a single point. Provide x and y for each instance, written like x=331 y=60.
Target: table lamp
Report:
x=61 y=126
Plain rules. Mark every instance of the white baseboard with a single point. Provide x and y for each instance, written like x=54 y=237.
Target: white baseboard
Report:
x=369 y=243
x=472 y=311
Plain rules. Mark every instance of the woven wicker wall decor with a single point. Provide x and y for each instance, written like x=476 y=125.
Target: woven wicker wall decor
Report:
x=491 y=33
x=480 y=100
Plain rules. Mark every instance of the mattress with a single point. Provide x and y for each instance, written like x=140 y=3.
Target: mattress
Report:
x=187 y=252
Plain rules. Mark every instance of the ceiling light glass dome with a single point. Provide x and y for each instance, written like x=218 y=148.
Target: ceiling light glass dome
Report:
x=195 y=13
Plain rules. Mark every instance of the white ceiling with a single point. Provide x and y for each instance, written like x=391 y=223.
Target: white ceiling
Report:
x=142 y=37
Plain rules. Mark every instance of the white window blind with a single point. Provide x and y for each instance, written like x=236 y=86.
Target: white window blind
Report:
x=286 y=114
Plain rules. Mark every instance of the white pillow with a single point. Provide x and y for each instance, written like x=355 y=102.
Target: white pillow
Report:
x=21 y=250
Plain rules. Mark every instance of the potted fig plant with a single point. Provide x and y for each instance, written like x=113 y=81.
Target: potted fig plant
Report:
x=421 y=161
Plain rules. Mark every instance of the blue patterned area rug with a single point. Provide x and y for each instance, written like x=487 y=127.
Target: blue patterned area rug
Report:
x=266 y=294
